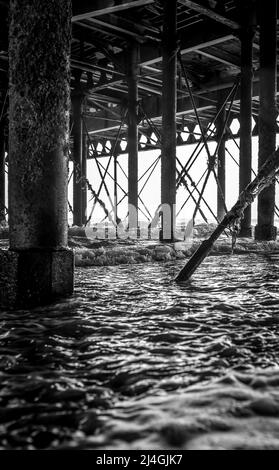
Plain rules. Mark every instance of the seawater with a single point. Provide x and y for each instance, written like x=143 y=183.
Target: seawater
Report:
x=135 y=361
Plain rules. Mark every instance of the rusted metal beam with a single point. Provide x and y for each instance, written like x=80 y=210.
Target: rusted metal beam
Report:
x=100 y=29
x=155 y=91
x=151 y=55
x=213 y=15
x=103 y=7
x=223 y=58
x=123 y=32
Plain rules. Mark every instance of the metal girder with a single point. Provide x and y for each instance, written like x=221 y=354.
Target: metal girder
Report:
x=223 y=58
x=152 y=54
x=196 y=6
x=152 y=105
x=194 y=42
x=100 y=29
x=153 y=109
x=116 y=29
x=103 y=7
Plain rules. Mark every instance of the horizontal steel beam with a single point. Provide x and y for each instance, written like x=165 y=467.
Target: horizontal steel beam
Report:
x=213 y=15
x=153 y=109
x=100 y=123
x=115 y=28
x=87 y=10
x=152 y=54
x=193 y=43
x=222 y=58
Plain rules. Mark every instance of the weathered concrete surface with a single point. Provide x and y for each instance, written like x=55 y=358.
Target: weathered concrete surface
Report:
x=29 y=278
x=38 y=266
x=39 y=114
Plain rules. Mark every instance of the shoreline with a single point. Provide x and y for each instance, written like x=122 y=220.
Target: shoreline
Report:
x=108 y=252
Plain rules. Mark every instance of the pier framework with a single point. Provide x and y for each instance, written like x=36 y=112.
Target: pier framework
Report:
x=84 y=81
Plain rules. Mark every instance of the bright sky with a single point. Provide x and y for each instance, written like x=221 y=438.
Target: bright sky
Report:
x=151 y=193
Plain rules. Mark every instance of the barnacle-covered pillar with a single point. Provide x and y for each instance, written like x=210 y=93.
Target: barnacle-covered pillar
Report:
x=168 y=159
x=132 y=80
x=246 y=92
x=38 y=267
x=2 y=174
x=221 y=168
x=265 y=230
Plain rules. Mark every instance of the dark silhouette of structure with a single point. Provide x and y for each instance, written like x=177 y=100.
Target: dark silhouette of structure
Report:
x=132 y=68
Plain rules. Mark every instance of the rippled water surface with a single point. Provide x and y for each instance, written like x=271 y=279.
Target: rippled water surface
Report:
x=133 y=360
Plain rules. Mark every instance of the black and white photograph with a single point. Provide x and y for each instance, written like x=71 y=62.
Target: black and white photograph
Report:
x=139 y=215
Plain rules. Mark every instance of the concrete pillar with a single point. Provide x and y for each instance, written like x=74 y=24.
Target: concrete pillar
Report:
x=39 y=266
x=77 y=132
x=221 y=157
x=168 y=159
x=132 y=80
x=246 y=93
x=265 y=229
x=2 y=174
x=84 y=177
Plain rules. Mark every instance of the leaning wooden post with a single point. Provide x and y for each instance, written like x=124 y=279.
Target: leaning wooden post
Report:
x=264 y=179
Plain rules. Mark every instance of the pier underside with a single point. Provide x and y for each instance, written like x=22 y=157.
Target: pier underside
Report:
x=84 y=86
x=136 y=138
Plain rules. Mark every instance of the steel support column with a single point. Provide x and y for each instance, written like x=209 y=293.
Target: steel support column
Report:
x=221 y=157
x=2 y=174
x=38 y=267
x=132 y=80
x=246 y=93
x=84 y=176
x=169 y=104
x=77 y=133
x=265 y=229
